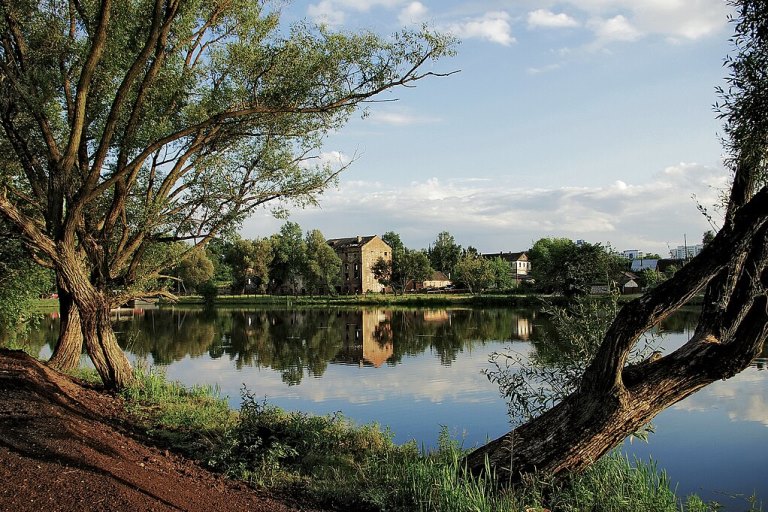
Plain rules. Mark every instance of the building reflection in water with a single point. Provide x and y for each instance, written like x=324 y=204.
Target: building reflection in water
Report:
x=367 y=337
x=522 y=328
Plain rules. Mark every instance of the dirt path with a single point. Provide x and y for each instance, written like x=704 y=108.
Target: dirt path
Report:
x=65 y=447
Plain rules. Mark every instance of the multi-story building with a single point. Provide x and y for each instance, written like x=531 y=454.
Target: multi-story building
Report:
x=358 y=255
x=684 y=252
x=632 y=254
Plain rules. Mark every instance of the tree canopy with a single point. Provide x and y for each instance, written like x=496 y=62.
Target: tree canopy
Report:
x=444 y=253
x=141 y=123
x=559 y=265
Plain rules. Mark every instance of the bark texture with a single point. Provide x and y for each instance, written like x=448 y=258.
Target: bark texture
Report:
x=69 y=347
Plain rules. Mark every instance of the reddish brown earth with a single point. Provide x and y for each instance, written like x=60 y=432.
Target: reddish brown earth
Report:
x=65 y=446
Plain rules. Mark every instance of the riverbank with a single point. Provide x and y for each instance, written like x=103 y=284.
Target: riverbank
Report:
x=136 y=452
x=405 y=300
x=65 y=445
x=528 y=300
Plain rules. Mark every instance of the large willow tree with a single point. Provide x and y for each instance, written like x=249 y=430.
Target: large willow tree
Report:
x=615 y=399
x=130 y=124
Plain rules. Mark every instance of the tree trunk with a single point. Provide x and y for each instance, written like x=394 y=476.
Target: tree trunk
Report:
x=100 y=342
x=66 y=354
x=588 y=424
x=94 y=306
x=615 y=399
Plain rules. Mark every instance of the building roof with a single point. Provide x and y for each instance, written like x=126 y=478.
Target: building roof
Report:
x=438 y=276
x=355 y=241
x=507 y=256
x=643 y=264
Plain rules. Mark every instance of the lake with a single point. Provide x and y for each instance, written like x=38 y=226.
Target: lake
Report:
x=416 y=371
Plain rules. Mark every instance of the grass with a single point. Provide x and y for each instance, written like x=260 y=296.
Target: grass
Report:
x=190 y=420
x=338 y=464
x=370 y=299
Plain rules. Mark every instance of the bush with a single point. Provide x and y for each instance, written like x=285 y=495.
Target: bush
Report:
x=208 y=292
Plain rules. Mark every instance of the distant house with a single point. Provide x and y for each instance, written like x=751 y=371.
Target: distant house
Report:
x=521 y=266
x=358 y=254
x=436 y=280
x=629 y=283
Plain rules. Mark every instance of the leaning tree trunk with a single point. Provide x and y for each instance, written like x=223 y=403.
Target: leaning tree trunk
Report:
x=613 y=399
x=66 y=354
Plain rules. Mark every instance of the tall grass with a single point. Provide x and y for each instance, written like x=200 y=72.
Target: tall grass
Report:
x=190 y=419
x=343 y=466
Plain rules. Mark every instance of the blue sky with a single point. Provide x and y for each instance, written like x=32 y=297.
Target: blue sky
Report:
x=588 y=119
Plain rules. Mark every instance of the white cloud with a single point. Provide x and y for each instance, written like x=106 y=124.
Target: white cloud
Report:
x=681 y=19
x=500 y=214
x=617 y=28
x=543 y=69
x=334 y=12
x=492 y=26
x=548 y=19
x=742 y=396
x=327 y=13
x=673 y=19
x=400 y=118
x=413 y=13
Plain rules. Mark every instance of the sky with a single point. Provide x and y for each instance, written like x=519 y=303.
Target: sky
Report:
x=583 y=119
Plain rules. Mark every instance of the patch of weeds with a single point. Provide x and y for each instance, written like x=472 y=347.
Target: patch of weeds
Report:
x=190 y=419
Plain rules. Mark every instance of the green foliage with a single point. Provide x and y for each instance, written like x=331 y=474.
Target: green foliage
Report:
x=534 y=383
x=335 y=463
x=250 y=261
x=744 y=101
x=503 y=278
x=413 y=266
x=651 y=277
x=290 y=257
x=475 y=272
x=268 y=446
x=323 y=266
x=216 y=250
x=382 y=270
x=22 y=281
x=195 y=269
x=561 y=266
x=208 y=292
x=174 y=121
x=406 y=265
x=187 y=418
x=444 y=253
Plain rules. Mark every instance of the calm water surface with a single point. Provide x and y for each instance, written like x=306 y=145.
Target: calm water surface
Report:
x=418 y=370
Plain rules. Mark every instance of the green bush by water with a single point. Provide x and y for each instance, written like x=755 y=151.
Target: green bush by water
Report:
x=330 y=460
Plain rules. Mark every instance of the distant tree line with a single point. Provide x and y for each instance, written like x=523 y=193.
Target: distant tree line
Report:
x=292 y=261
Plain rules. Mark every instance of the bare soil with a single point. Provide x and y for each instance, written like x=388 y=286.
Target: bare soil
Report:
x=68 y=446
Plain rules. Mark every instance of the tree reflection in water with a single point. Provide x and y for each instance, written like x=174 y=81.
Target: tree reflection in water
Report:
x=303 y=342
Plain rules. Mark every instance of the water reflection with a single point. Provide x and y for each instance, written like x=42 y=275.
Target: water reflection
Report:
x=416 y=370
x=302 y=343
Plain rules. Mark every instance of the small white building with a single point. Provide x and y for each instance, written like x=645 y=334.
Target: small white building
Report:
x=684 y=252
